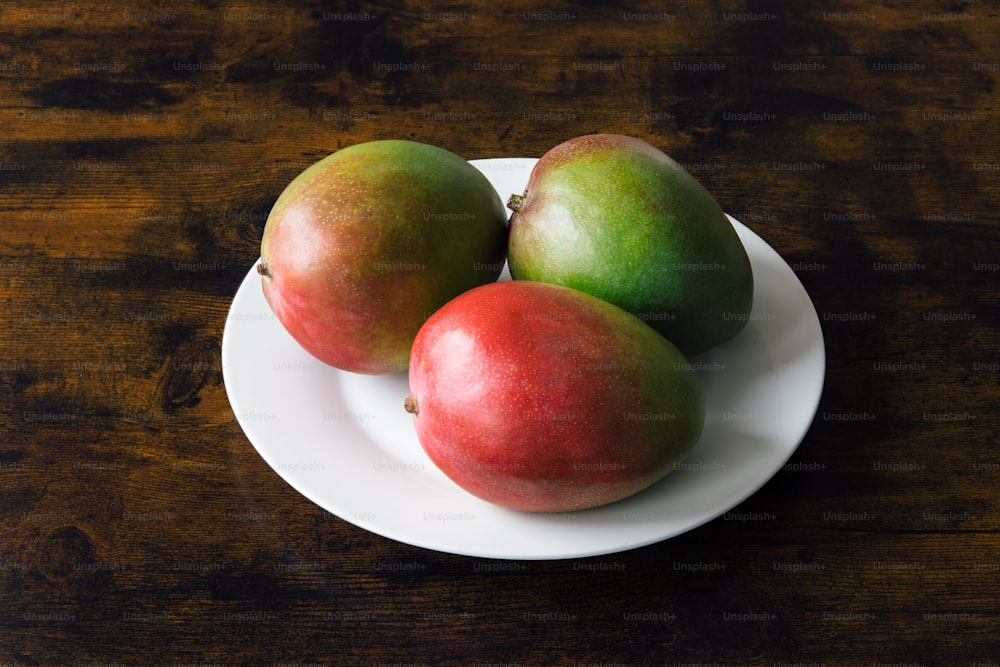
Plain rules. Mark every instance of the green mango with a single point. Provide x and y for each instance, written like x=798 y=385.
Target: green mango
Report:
x=615 y=217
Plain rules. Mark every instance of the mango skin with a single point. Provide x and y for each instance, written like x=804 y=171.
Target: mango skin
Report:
x=542 y=398
x=362 y=246
x=615 y=217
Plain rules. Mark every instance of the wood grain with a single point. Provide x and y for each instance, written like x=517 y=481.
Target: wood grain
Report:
x=142 y=149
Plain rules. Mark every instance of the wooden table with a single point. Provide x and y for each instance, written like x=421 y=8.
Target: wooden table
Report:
x=143 y=146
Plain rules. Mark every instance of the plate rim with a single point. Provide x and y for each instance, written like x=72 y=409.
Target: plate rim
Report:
x=553 y=554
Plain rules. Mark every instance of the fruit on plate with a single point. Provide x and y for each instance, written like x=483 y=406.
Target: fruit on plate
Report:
x=541 y=398
x=362 y=246
x=615 y=217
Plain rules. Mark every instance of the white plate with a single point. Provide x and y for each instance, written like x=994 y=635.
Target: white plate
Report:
x=345 y=442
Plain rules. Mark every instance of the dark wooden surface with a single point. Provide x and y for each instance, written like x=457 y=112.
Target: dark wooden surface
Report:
x=142 y=148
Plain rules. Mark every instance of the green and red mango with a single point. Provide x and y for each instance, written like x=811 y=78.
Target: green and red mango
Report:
x=361 y=247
